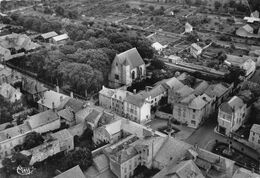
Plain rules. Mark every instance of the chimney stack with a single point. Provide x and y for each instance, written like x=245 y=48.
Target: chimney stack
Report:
x=134 y=91
x=71 y=94
x=57 y=88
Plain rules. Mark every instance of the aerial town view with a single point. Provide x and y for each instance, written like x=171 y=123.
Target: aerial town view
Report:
x=129 y=89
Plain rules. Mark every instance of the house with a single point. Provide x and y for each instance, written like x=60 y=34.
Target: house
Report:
x=68 y=110
x=33 y=90
x=218 y=92
x=51 y=100
x=195 y=50
x=44 y=122
x=7 y=75
x=191 y=110
x=153 y=94
x=60 y=39
x=74 y=172
x=42 y=152
x=245 y=62
x=251 y=19
x=126 y=67
x=184 y=169
x=242 y=172
x=246 y=31
x=17 y=43
x=10 y=93
x=188 y=28
x=100 y=168
x=118 y=99
x=174 y=59
x=11 y=137
x=255 y=14
x=137 y=109
x=5 y=54
x=178 y=93
x=158 y=47
x=93 y=118
x=45 y=37
x=254 y=136
x=105 y=96
x=232 y=115
x=66 y=140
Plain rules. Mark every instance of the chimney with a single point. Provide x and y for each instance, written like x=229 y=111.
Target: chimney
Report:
x=57 y=88
x=61 y=98
x=71 y=94
x=134 y=91
x=53 y=106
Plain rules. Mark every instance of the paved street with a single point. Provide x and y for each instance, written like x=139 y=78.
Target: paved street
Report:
x=205 y=138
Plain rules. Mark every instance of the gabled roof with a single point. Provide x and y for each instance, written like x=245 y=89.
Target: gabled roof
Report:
x=74 y=172
x=185 y=91
x=42 y=118
x=131 y=57
x=201 y=87
x=15 y=131
x=216 y=90
x=195 y=46
x=51 y=97
x=9 y=92
x=60 y=37
x=73 y=104
x=172 y=83
x=93 y=116
x=197 y=103
x=248 y=28
x=255 y=128
x=49 y=35
x=185 y=169
x=66 y=114
x=154 y=92
x=114 y=127
x=62 y=135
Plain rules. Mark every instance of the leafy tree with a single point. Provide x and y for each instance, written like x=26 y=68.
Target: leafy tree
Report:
x=217 y=5
x=31 y=140
x=235 y=74
x=68 y=49
x=151 y=8
x=121 y=47
x=81 y=157
x=59 y=10
x=157 y=64
x=83 y=45
x=111 y=53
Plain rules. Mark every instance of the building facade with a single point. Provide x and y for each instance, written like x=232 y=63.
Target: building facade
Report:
x=232 y=115
x=126 y=67
x=254 y=136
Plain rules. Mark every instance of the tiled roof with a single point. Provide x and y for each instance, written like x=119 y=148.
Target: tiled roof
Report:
x=233 y=104
x=74 y=172
x=185 y=91
x=216 y=90
x=236 y=60
x=255 y=128
x=42 y=118
x=171 y=150
x=114 y=127
x=49 y=35
x=248 y=28
x=135 y=100
x=62 y=135
x=52 y=97
x=244 y=173
x=66 y=114
x=107 y=91
x=93 y=116
x=154 y=92
x=172 y=83
x=101 y=162
x=132 y=57
x=197 y=103
x=74 y=104
x=201 y=87
x=14 y=131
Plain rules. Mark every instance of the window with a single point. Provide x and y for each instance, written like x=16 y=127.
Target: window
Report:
x=125 y=170
x=116 y=76
x=194 y=110
x=193 y=122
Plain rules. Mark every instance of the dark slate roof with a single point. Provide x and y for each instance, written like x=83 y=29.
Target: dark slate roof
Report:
x=74 y=172
x=131 y=57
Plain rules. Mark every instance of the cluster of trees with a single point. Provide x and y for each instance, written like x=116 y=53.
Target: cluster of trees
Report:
x=72 y=14
x=83 y=65
x=10 y=164
x=7 y=109
x=38 y=24
x=31 y=140
x=241 y=7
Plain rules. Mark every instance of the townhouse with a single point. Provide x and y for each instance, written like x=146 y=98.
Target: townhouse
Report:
x=254 y=136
